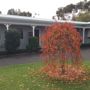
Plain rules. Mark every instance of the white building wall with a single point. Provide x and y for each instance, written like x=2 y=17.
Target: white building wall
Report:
x=2 y=40
x=41 y=32
x=25 y=40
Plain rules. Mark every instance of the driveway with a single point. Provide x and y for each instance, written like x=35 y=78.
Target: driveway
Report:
x=29 y=58
x=85 y=53
x=19 y=59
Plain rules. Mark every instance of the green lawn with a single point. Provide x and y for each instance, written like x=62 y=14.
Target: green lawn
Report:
x=27 y=77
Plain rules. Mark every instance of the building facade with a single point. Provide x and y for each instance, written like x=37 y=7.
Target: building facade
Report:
x=29 y=27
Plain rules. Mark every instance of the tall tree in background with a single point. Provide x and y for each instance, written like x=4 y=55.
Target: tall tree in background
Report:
x=69 y=8
x=82 y=6
x=11 y=12
x=60 y=13
x=0 y=12
x=18 y=12
x=79 y=5
x=87 y=5
x=85 y=17
x=25 y=14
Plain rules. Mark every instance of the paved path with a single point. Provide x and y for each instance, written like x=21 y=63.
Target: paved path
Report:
x=86 y=53
x=19 y=59
x=28 y=58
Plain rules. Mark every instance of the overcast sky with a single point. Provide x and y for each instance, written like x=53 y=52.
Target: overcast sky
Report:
x=46 y=8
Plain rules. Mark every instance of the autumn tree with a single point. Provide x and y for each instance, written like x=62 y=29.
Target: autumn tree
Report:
x=18 y=12
x=84 y=17
x=61 y=46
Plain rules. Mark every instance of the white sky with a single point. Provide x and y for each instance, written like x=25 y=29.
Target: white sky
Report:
x=46 y=8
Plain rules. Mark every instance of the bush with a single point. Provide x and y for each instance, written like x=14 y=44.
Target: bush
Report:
x=61 y=51
x=12 y=40
x=33 y=44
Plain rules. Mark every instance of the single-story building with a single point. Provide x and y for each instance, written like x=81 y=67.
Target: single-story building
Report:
x=29 y=27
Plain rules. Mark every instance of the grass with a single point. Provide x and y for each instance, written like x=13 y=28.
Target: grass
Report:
x=26 y=77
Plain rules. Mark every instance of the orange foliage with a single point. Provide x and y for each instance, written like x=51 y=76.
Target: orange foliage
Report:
x=62 y=40
x=61 y=43
x=71 y=73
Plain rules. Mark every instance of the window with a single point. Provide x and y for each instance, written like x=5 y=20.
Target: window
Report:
x=80 y=30
x=0 y=35
x=30 y=34
x=88 y=35
x=87 y=32
x=20 y=30
x=37 y=33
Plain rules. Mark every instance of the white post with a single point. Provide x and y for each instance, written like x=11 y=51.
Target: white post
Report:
x=40 y=41
x=83 y=35
x=7 y=27
x=33 y=29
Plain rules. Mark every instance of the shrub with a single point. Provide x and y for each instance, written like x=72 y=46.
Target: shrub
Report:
x=33 y=44
x=61 y=51
x=12 y=40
